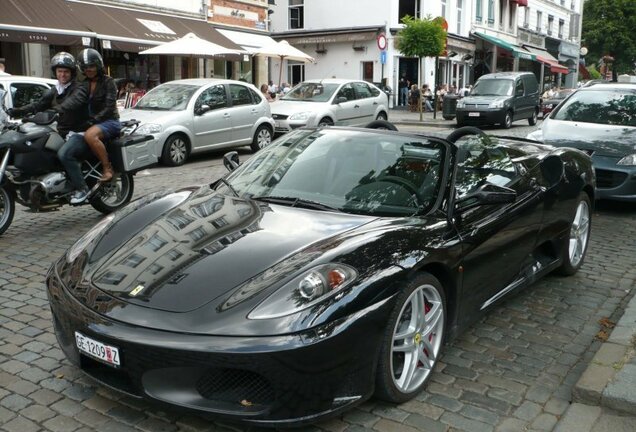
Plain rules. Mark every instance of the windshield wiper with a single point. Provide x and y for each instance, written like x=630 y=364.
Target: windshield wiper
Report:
x=295 y=202
x=226 y=183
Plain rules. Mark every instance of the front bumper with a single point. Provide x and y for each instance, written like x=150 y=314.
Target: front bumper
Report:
x=284 y=125
x=481 y=115
x=286 y=379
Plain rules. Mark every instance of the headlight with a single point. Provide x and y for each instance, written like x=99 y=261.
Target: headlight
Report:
x=305 y=290
x=461 y=104
x=549 y=106
x=496 y=104
x=148 y=128
x=87 y=238
x=628 y=160
x=301 y=116
x=536 y=135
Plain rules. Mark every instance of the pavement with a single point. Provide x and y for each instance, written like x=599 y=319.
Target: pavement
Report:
x=400 y=115
x=534 y=363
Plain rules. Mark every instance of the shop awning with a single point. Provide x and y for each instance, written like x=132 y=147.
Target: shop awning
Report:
x=547 y=59
x=516 y=50
x=521 y=2
x=250 y=42
x=134 y=31
x=47 y=22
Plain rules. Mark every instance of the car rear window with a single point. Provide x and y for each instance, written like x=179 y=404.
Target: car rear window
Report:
x=602 y=106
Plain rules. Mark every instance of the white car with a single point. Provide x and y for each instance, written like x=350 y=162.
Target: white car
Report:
x=194 y=115
x=330 y=102
x=22 y=90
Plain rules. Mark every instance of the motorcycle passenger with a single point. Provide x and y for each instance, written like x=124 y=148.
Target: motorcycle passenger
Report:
x=67 y=98
x=103 y=118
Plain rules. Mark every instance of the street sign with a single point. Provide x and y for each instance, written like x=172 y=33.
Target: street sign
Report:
x=382 y=57
x=381 y=41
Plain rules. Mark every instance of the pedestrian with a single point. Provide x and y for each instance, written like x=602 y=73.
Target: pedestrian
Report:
x=414 y=98
x=2 y=72
x=266 y=94
x=273 y=89
x=427 y=96
x=403 y=90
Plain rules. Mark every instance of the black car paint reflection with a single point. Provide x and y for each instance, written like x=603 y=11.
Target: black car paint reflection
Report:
x=178 y=281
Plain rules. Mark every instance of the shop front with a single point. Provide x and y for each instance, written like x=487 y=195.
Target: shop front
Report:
x=494 y=54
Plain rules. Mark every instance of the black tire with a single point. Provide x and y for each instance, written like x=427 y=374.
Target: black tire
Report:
x=176 y=150
x=507 y=123
x=535 y=116
x=262 y=138
x=7 y=208
x=425 y=290
x=382 y=116
x=114 y=194
x=574 y=246
x=381 y=124
x=447 y=117
x=325 y=121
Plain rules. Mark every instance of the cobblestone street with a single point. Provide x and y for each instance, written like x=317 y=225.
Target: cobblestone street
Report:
x=511 y=371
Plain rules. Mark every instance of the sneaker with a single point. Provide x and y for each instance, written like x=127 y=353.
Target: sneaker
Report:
x=79 y=196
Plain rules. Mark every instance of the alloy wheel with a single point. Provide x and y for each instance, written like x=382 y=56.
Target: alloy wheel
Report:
x=579 y=233
x=264 y=138
x=178 y=151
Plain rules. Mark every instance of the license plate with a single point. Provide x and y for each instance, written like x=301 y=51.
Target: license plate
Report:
x=102 y=352
x=473 y=114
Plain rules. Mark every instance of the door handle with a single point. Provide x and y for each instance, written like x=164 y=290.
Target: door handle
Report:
x=375 y=103
x=356 y=106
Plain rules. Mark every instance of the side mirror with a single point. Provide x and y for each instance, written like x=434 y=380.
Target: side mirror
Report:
x=203 y=109
x=341 y=99
x=552 y=169
x=231 y=160
x=486 y=194
x=519 y=92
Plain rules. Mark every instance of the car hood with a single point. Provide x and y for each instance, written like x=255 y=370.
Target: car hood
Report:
x=603 y=140
x=203 y=247
x=146 y=116
x=479 y=100
x=290 y=107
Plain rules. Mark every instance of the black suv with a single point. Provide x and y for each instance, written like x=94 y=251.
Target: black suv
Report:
x=501 y=98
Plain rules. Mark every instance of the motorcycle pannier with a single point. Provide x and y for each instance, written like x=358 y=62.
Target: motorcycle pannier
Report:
x=133 y=153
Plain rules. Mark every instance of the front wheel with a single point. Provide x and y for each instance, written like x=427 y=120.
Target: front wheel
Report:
x=114 y=194
x=412 y=341
x=575 y=245
x=262 y=138
x=7 y=208
x=175 y=150
x=533 y=120
x=507 y=123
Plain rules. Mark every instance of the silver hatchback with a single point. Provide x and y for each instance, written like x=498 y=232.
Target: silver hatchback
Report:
x=193 y=115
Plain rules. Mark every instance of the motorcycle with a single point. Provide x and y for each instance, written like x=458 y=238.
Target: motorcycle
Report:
x=32 y=175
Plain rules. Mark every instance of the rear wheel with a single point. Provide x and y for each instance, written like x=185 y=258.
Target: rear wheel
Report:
x=412 y=341
x=7 y=208
x=575 y=245
x=325 y=121
x=113 y=194
x=533 y=120
x=262 y=138
x=382 y=116
x=175 y=150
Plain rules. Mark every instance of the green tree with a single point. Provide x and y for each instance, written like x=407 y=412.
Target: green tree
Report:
x=608 y=29
x=421 y=38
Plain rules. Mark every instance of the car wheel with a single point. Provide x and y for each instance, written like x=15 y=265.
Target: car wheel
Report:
x=7 y=207
x=262 y=138
x=575 y=245
x=175 y=150
x=412 y=341
x=325 y=121
x=533 y=120
x=113 y=194
x=507 y=120
x=382 y=116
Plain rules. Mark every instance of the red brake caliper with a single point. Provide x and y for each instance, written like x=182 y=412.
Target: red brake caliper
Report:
x=427 y=308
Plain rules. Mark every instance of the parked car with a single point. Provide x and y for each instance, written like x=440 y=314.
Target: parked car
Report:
x=330 y=266
x=501 y=98
x=330 y=102
x=600 y=120
x=193 y=115
x=22 y=90
x=547 y=105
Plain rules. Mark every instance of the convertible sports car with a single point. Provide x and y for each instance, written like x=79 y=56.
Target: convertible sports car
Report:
x=329 y=267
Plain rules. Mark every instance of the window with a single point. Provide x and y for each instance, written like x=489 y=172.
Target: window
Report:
x=347 y=92
x=550 y=24
x=214 y=97
x=502 y=15
x=408 y=7
x=607 y=107
x=519 y=88
x=179 y=220
x=478 y=11
x=443 y=14
x=133 y=260
x=220 y=222
x=295 y=73
x=539 y=19
x=174 y=255
x=526 y=17
x=460 y=4
x=363 y=91
x=561 y=26
x=296 y=14
x=240 y=95
x=512 y=13
x=155 y=243
x=25 y=93
x=491 y=11
x=197 y=234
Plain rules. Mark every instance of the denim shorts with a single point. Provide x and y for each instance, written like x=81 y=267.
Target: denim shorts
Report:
x=110 y=128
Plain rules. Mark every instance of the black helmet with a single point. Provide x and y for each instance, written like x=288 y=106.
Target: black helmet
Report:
x=90 y=57
x=63 y=60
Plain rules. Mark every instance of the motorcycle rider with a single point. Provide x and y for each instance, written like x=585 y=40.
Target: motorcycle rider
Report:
x=67 y=98
x=104 y=122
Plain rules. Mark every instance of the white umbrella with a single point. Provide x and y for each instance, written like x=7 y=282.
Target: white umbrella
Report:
x=284 y=51
x=190 y=45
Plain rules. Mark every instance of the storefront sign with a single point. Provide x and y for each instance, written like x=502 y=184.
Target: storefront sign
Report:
x=236 y=13
x=156 y=26
x=351 y=37
x=569 y=50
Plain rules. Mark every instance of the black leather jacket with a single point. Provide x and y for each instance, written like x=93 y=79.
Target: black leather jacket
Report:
x=103 y=101
x=71 y=105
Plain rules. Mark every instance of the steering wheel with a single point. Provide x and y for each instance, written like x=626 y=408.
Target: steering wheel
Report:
x=454 y=136
x=401 y=182
x=381 y=124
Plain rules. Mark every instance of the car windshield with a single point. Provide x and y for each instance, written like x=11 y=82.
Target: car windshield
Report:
x=602 y=106
x=311 y=92
x=492 y=87
x=167 y=97
x=361 y=172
